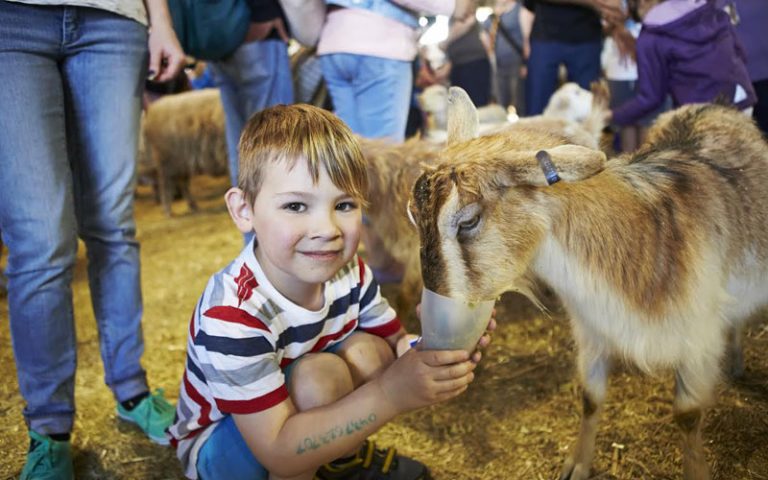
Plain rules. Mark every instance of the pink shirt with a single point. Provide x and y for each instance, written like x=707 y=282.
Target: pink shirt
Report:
x=362 y=32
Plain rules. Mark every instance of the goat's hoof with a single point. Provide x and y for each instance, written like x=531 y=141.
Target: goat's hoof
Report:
x=574 y=471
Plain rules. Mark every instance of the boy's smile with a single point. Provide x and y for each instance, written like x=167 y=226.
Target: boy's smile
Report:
x=305 y=232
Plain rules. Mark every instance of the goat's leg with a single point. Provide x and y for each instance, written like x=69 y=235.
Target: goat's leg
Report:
x=695 y=382
x=593 y=372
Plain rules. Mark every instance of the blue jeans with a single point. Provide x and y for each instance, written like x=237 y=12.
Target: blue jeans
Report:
x=71 y=86
x=370 y=94
x=582 y=61
x=256 y=76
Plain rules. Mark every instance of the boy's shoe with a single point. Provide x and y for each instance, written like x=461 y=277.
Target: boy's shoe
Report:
x=47 y=459
x=371 y=463
x=153 y=415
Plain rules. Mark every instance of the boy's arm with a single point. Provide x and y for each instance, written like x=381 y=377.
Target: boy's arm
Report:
x=288 y=442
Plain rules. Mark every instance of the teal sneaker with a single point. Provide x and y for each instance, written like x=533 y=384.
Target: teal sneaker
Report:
x=47 y=459
x=153 y=415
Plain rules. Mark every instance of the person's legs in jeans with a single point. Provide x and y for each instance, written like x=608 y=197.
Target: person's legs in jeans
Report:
x=370 y=94
x=37 y=215
x=256 y=76
x=339 y=72
x=103 y=73
x=582 y=60
x=383 y=94
x=542 y=79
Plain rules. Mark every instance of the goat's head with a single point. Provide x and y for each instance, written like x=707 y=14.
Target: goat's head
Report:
x=482 y=210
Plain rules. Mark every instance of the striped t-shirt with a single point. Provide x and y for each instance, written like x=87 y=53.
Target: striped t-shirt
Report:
x=243 y=332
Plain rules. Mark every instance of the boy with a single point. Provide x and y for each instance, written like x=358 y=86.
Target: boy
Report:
x=291 y=353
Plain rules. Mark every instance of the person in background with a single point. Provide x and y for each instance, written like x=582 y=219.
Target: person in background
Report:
x=256 y=76
x=73 y=80
x=294 y=358
x=620 y=69
x=751 y=19
x=468 y=61
x=687 y=49
x=366 y=52
x=503 y=32
x=565 y=32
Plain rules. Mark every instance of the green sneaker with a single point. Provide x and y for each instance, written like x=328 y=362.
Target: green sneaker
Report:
x=47 y=459
x=153 y=415
x=371 y=463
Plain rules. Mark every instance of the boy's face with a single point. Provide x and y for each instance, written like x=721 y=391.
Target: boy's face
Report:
x=306 y=232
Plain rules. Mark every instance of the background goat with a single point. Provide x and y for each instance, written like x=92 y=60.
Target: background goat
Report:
x=658 y=256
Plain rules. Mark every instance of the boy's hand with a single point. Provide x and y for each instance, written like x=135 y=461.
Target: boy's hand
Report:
x=424 y=377
x=485 y=340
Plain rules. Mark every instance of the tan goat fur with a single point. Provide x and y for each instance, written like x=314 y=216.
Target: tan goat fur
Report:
x=184 y=136
x=658 y=256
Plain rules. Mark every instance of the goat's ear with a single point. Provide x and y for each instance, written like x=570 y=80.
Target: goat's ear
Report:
x=463 y=123
x=571 y=163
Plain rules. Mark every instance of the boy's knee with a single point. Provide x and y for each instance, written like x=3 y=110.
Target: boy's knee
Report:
x=319 y=379
x=366 y=355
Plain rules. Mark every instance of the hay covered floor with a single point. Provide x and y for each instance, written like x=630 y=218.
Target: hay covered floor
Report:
x=515 y=422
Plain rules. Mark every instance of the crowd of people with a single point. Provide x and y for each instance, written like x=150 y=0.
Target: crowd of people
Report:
x=292 y=344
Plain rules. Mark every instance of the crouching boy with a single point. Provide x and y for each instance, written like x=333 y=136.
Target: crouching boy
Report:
x=291 y=359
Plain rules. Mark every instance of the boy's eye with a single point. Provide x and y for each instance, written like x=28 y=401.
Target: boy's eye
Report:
x=295 y=207
x=346 y=206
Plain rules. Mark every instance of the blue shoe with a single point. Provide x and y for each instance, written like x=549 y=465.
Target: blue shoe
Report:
x=153 y=415
x=47 y=459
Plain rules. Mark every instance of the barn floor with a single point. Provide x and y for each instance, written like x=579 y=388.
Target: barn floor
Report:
x=515 y=422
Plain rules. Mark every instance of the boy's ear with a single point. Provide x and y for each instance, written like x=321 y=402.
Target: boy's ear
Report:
x=239 y=209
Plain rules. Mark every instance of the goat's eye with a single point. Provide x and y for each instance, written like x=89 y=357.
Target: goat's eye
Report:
x=468 y=225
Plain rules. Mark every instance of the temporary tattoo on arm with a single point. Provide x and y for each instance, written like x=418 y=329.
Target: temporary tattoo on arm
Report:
x=316 y=441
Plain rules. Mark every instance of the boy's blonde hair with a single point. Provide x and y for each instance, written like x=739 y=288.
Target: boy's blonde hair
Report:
x=288 y=133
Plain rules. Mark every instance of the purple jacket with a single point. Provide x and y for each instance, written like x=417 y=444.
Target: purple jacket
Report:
x=689 y=50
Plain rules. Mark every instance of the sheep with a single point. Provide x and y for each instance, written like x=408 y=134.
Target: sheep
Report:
x=658 y=256
x=183 y=136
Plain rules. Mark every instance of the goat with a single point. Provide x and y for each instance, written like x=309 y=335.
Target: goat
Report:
x=184 y=136
x=658 y=256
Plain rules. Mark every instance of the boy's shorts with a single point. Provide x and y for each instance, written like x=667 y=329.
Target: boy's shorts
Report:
x=225 y=453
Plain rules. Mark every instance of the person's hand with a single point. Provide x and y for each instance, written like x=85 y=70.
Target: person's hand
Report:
x=485 y=340
x=424 y=377
x=166 y=58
